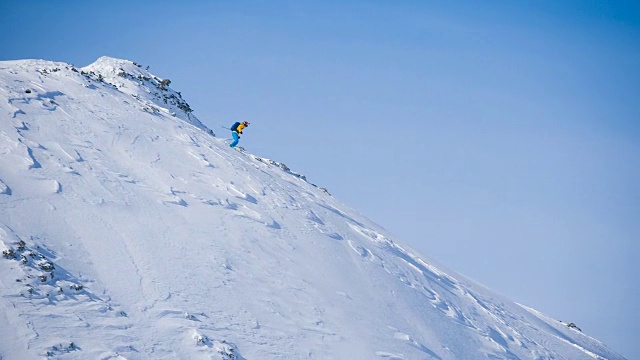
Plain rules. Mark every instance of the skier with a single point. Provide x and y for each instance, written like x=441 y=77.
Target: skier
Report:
x=236 y=129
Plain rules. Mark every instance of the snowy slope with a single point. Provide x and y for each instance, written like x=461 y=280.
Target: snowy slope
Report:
x=130 y=232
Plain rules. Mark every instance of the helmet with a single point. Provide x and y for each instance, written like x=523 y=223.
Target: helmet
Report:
x=246 y=123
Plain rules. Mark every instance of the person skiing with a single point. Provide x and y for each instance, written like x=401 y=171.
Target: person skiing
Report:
x=236 y=129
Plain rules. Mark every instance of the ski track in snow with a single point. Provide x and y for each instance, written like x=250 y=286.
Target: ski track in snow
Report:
x=132 y=233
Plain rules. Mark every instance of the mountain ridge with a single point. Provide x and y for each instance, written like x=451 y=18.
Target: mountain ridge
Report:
x=131 y=232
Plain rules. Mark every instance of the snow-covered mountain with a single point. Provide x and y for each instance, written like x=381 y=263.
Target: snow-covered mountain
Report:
x=129 y=231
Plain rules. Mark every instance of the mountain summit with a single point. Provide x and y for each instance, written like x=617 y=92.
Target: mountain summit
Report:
x=129 y=231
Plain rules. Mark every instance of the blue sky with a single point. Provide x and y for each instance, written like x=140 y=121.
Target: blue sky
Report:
x=501 y=139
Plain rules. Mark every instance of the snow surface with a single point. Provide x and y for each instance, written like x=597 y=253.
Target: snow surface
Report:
x=131 y=232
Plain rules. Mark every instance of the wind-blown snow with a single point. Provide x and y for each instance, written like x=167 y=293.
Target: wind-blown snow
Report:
x=130 y=232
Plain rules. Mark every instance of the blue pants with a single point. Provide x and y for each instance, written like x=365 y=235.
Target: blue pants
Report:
x=236 y=138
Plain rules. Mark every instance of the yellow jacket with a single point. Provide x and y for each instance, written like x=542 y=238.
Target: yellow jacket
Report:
x=239 y=128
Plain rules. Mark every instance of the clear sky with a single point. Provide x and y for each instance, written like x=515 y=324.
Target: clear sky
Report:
x=500 y=138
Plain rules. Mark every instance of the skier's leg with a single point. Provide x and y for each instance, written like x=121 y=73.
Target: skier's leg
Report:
x=235 y=139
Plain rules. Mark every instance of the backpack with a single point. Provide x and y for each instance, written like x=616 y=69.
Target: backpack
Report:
x=234 y=127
